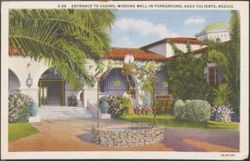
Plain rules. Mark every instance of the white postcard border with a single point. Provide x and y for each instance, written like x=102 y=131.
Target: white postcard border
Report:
x=243 y=7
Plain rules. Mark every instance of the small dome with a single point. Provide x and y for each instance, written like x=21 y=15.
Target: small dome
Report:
x=215 y=26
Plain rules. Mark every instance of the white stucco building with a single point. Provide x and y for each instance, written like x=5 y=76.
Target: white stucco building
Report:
x=49 y=89
x=217 y=31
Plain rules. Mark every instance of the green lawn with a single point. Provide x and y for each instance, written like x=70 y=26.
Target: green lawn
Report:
x=171 y=121
x=19 y=130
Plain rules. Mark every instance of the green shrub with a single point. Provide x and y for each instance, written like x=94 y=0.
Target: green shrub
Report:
x=198 y=110
x=19 y=105
x=222 y=94
x=125 y=104
x=180 y=109
x=192 y=110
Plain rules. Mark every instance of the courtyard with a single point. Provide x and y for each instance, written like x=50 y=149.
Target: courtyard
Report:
x=74 y=135
x=178 y=83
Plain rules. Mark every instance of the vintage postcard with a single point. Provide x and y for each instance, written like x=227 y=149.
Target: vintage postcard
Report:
x=125 y=80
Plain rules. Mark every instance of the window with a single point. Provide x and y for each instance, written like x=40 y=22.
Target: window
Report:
x=103 y=85
x=212 y=75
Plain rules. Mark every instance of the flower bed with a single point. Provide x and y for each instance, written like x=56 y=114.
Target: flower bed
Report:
x=221 y=113
x=128 y=135
x=143 y=109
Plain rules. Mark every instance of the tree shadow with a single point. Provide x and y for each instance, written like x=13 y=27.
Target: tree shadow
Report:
x=87 y=137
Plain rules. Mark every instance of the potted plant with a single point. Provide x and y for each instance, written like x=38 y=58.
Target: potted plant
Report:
x=33 y=109
x=104 y=106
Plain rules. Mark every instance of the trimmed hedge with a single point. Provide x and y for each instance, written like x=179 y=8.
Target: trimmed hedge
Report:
x=180 y=109
x=192 y=110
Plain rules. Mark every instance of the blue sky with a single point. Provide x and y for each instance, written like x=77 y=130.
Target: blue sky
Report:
x=136 y=28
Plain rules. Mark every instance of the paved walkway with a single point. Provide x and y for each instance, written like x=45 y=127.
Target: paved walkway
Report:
x=196 y=139
x=74 y=135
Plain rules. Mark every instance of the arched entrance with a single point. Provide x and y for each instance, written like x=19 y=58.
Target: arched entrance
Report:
x=14 y=83
x=51 y=88
x=80 y=98
x=117 y=84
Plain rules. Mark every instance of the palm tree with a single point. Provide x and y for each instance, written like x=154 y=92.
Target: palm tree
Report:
x=64 y=38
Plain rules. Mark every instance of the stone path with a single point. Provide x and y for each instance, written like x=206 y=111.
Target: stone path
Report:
x=73 y=135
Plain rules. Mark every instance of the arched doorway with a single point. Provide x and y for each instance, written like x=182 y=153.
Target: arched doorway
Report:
x=117 y=84
x=80 y=98
x=14 y=83
x=51 y=88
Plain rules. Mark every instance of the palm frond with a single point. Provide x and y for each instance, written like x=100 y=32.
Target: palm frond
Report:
x=64 y=38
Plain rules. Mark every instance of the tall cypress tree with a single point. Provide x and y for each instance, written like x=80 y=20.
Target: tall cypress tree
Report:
x=233 y=74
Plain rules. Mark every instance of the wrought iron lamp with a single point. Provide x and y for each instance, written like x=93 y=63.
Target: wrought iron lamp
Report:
x=29 y=81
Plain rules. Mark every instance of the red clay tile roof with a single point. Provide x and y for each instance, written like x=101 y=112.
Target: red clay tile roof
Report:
x=183 y=40
x=139 y=54
x=115 y=53
x=15 y=52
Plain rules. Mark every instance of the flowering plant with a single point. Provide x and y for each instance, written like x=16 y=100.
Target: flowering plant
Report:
x=221 y=113
x=143 y=109
x=19 y=107
x=114 y=105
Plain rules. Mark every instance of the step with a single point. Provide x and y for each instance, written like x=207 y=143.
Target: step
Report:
x=66 y=117
x=60 y=112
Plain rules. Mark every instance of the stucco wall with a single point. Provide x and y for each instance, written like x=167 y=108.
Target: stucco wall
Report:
x=223 y=36
x=22 y=66
x=213 y=35
x=165 y=49
x=182 y=47
x=159 y=49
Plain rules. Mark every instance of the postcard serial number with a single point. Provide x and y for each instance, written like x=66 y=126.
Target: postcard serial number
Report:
x=227 y=155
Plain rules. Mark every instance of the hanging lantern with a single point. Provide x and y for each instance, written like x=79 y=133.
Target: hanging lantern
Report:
x=29 y=81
